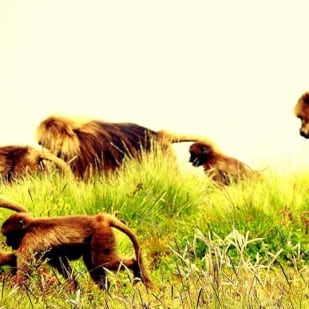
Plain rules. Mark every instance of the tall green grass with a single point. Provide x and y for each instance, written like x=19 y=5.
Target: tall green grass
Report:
x=242 y=246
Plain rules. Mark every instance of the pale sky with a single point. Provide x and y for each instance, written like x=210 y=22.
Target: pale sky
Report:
x=228 y=70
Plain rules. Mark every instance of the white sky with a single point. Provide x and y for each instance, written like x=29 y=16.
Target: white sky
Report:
x=229 y=70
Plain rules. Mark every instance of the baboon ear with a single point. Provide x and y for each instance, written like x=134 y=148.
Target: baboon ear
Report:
x=21 y=223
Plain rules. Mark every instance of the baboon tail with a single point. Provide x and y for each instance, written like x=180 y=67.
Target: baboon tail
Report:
x=169 y=137
x=11 y=205
x=114 y=222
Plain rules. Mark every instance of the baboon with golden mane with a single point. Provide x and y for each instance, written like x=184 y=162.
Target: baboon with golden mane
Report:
x=301 y=111
x=219 y=167
x=96 y=146
x=19 y=161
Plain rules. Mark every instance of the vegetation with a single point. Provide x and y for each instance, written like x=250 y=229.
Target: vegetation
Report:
x=242 y=246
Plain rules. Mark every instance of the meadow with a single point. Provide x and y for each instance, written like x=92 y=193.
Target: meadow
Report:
x=205 y=246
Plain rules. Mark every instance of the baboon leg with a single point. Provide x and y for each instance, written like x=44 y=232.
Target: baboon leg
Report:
x=62 y=265
x=103 y=255
x=10 y=260
x=97 y=272
x=115 y=263
x=118 y=263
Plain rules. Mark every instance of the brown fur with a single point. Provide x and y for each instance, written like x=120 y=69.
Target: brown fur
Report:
x=4 y=203
x=47 y=281
x=20 y=161
x=218 y=166
x=301 y=111
x=8 y=259
x=66 y=238
x=97 y=146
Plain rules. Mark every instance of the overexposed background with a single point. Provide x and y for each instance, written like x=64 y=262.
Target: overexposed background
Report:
x=229 y=70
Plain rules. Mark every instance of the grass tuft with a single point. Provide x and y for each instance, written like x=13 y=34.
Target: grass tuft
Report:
x=242 y=246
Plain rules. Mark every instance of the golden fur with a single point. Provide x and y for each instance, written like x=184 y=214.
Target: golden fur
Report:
x=19 y=161
x=301 y=111
x=219 y=167
x=97 y=146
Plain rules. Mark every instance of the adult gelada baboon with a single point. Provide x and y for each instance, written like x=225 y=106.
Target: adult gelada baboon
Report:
x=61 y=239
x=98 y=146
x=219 y=167
x=302 y=112
x=19 y=161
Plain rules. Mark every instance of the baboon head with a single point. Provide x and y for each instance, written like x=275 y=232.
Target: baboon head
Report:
x=57 y=134
x=200 y=153
x=14 y=229
x=302 y=112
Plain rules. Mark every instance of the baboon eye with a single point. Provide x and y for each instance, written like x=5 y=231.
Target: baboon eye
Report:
x=21 y=223
x=203 y=149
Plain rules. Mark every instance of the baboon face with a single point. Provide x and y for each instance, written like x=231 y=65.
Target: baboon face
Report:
x=199 y=153
x=57 y=135
x=13 y=230
x=51 y=137
x=31 y=162
x=302 y=112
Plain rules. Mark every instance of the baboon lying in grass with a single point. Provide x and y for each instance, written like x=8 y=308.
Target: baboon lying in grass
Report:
x=20 y=161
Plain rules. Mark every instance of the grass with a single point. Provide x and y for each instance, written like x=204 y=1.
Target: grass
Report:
x=243 y=246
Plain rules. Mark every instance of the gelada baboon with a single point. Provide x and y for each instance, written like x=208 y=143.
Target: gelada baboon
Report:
x=61 y=239
x=19 y=161
x=97 y=146
x=217 y=166
x=302 y=112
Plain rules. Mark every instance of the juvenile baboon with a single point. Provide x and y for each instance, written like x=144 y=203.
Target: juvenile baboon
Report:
x=100 y=147
x=219 y=167
x=61 y=239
